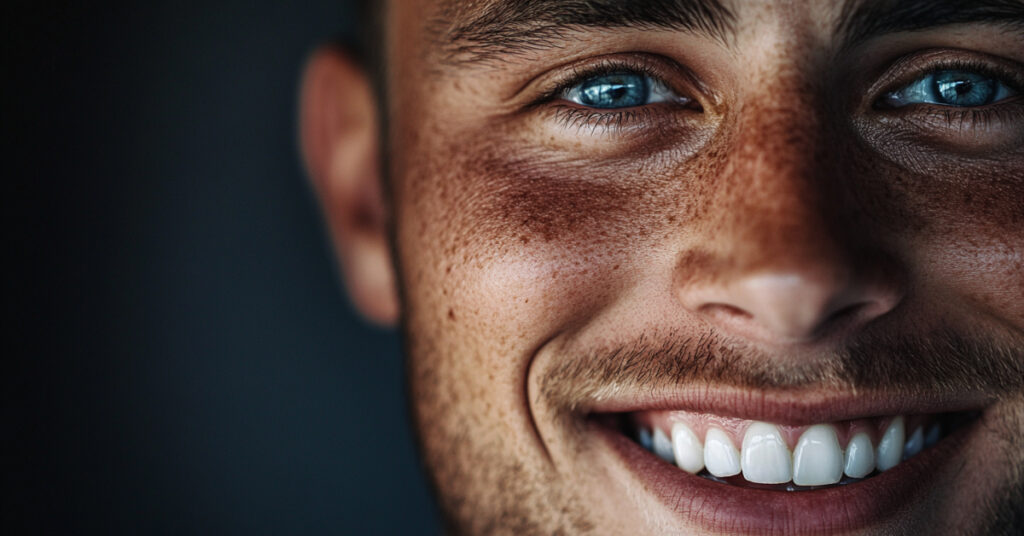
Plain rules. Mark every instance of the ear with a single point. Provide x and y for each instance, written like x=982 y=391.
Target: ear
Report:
x=339 y=138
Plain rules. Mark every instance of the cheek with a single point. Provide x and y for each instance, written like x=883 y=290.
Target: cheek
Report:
x=521 y=252
x=995 y=275
x=959 y=227
x=515 y=224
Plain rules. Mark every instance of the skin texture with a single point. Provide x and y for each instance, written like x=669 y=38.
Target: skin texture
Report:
x=781 y=235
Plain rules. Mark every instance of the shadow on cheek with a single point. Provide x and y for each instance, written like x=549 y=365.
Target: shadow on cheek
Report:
x=571 y=204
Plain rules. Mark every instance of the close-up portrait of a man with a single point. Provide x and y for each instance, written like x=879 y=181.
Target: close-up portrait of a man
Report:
x=514 y=267
x=692 y=266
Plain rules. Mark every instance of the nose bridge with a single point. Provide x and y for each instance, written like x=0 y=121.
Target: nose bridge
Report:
x=779 y=195
x=776 y=262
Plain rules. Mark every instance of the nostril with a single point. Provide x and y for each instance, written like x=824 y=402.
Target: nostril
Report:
x=846 y=311
x=724 y=311
x=837 y=318
x=799 y=304
x=727 y=313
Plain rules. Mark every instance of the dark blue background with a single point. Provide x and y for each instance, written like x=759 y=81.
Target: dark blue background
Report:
x=184 y=360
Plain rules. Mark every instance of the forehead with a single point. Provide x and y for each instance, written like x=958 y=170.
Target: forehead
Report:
x=481 y=30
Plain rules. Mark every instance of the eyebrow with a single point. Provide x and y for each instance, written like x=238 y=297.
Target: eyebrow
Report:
x=509 y=27
x=500 y=28
x=865 y=19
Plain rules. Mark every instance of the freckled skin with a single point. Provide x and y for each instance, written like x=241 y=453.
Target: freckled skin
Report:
x=520 y=243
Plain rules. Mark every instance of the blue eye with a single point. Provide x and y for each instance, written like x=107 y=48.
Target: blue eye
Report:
x=951 y=88
x=618 y=90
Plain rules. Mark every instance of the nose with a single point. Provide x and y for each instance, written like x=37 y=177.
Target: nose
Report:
x=774 y=262
x=794 y=303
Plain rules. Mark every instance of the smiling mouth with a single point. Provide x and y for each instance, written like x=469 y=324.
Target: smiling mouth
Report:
x=785 y=478
x=762 y=455
x=787 y=465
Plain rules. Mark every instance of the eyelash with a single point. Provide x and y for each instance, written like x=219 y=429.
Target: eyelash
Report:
x=1007 y=76
x=574 y=116
x=1013 y=78
x=1004 y=111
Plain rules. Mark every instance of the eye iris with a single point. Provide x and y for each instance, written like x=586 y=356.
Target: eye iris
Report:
x=959 y=88
x=615 y=91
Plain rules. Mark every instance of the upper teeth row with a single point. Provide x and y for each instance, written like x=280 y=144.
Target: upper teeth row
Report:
x=765 y=458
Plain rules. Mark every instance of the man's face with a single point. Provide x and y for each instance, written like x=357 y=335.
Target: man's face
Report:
x=682 y=266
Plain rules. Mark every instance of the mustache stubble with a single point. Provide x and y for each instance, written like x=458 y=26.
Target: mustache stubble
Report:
x=945 y=361
x=941 y=361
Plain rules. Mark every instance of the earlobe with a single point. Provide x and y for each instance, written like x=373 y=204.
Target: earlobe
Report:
x=339 y=138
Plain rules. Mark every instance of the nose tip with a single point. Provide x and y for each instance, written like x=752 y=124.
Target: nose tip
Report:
x=790 y=306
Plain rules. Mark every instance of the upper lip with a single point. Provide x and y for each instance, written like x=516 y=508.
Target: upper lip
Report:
x=794 y=407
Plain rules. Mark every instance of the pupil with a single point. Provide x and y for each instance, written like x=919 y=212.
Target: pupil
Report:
x=959 y=88
x=615 y=91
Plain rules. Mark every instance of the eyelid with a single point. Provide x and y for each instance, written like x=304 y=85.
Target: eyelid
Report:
x=921 y=87
x=661 y=70
x=656 y=89
x=912 y=67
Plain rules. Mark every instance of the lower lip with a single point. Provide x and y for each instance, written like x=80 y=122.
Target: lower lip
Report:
x=720 y=507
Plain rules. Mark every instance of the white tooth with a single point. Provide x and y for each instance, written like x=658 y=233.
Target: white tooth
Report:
x=765 y=457
x=934 y=434
x=860 y=457
x=687 y=448
x=662 y=446
x=914 y=444
x=817 y=459
x=644 y=437
x=890 y=448
x=720 y=456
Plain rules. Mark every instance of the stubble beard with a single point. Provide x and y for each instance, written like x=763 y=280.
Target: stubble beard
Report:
x=483 y=488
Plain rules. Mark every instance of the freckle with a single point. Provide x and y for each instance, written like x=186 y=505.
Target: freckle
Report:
x=451 y=314
x=448 y=269
x=616 y=267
